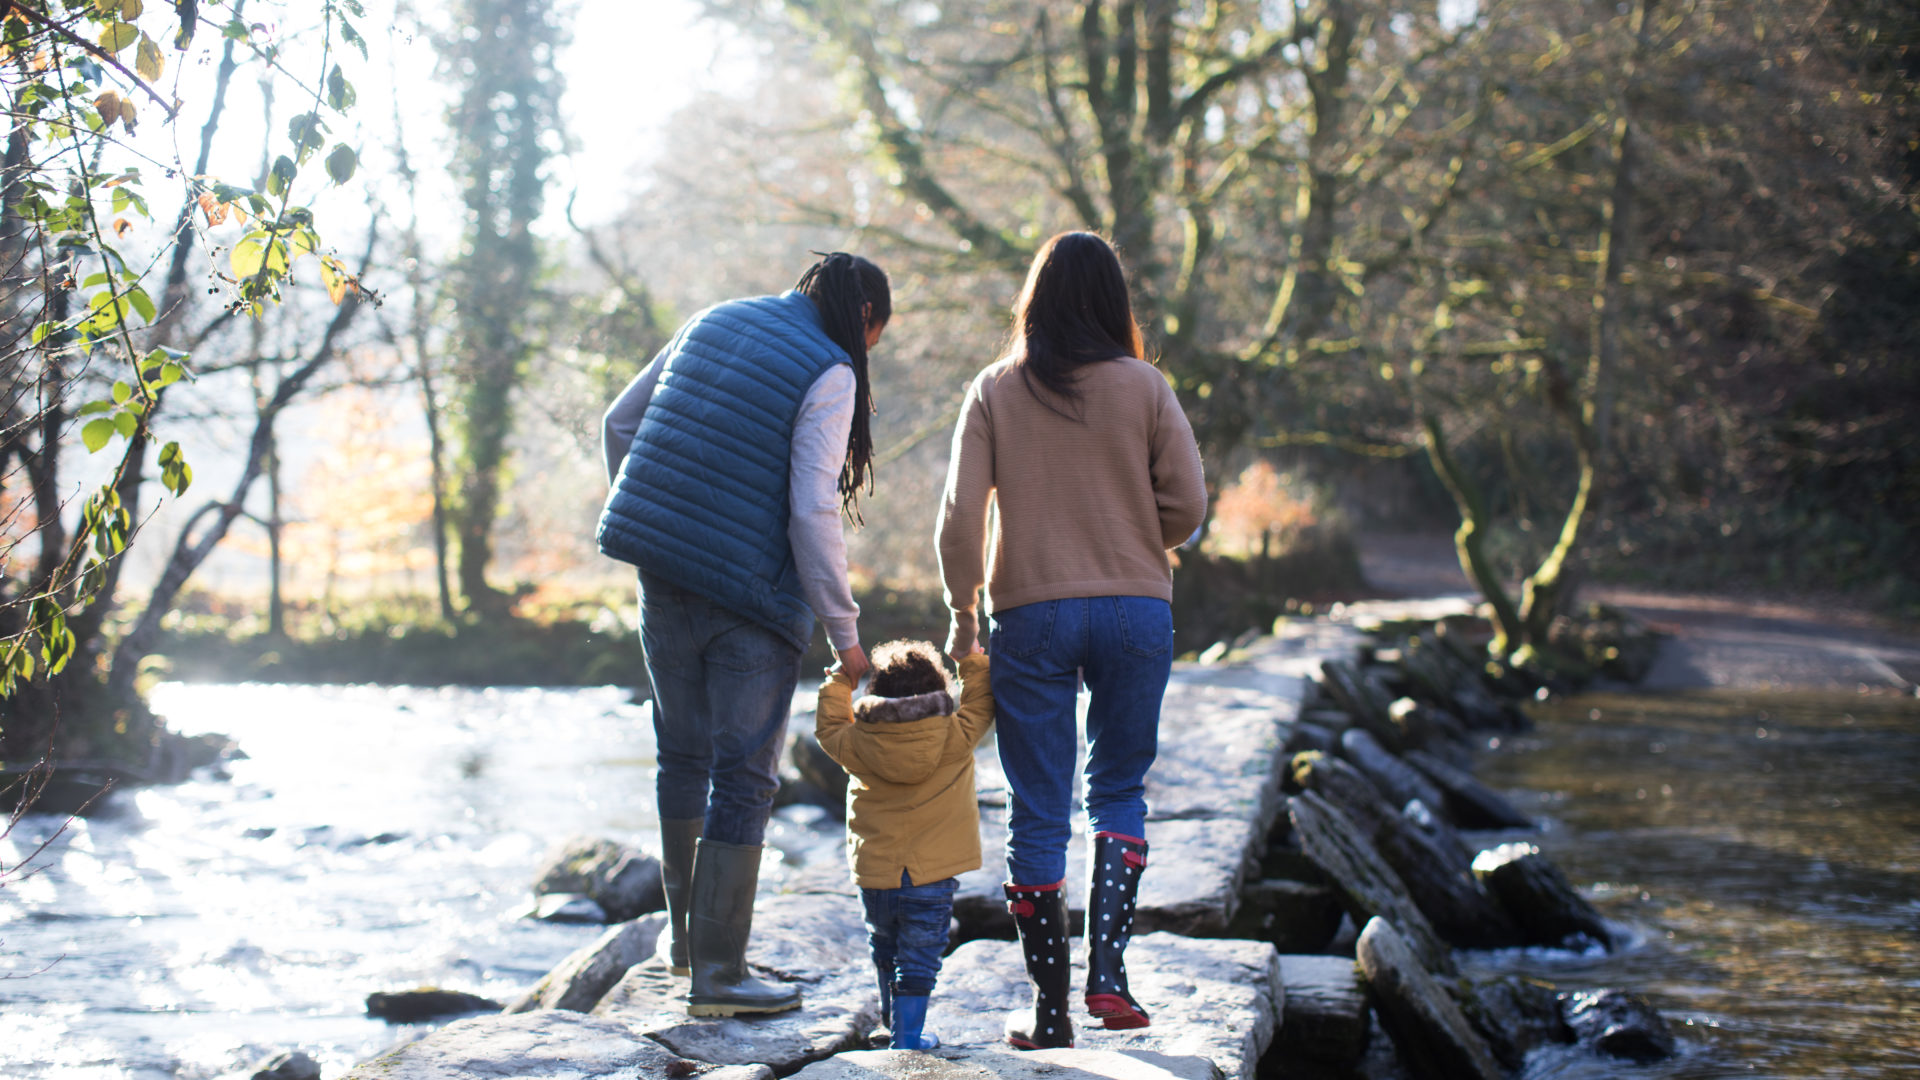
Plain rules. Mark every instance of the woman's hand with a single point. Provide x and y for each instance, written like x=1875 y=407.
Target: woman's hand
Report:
x=957 y=648
x=853 y=661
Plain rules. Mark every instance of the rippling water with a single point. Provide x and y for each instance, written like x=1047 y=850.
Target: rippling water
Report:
x=374 y=839
x=1767 y=849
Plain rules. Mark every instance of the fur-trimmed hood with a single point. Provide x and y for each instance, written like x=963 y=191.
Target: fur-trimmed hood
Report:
x=874 y=709
x=906 y=737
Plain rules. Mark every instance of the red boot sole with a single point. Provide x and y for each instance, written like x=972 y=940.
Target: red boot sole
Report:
x=1115 y=1013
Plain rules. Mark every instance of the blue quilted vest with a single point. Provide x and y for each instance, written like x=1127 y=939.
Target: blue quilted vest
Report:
x=702 y=498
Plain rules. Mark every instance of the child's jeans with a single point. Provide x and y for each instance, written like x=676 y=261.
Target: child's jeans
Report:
x=907 y=931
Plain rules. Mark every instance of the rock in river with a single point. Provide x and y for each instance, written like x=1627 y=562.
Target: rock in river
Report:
x=625 y=883
x=289 y=1066
x=425 y=1003
x=1539 y=897
x=579 y=981
x=1400 y=782
x=1469 y=802
x=1619 y=1023
x=548 y=1045
x=1432 y=1035
x=1367 y=885
x=1326 y=1015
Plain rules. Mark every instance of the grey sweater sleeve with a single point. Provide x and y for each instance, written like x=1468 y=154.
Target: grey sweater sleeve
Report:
x=622 y=420
x=819 y=545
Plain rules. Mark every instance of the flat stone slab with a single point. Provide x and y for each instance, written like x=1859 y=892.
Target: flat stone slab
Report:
x=548 y=1045
x=1212 y=795
x=1217 y=999
x=814 y=939
x=971 y=1064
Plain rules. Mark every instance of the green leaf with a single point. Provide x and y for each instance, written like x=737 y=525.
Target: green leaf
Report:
x=280 y=177
x=341 y=162
x=354 y=6
x=340 y=92
x=142 y=303
x=121 y=392
x=148 y=61
x=170 y=373
x=96 y=434
x=308 y=133
x=254 y=253
x=126 y=423
x=353 y=37
x=235 y=30
x=175 y=473
x=118 y=35
x=100 y=278
x=92 y=407
x=59 y=649
x=44 y=331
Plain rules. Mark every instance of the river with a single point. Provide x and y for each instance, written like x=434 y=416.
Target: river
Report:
x=373 y=838
x=1765 y=848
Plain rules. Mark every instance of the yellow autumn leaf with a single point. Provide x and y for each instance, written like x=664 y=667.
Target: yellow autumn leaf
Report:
x=148 y=61
x=118 y=35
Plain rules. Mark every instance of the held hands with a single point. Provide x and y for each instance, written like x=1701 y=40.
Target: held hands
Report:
x=853 y=661
x=959 y=649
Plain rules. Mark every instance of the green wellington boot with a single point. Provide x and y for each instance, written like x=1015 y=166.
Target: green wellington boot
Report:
x=721 y=920
x=677 y=840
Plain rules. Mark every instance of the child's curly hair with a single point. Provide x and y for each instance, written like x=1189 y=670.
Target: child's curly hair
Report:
x=906 y=668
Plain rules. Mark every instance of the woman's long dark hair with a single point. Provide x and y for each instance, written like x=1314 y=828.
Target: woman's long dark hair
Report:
x=1073 y=311
x=852 y=295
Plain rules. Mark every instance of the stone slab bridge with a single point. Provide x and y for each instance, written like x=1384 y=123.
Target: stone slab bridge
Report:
x=1217 y=1001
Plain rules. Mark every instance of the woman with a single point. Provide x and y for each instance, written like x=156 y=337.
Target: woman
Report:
x=1096 y=474
x=733 y=456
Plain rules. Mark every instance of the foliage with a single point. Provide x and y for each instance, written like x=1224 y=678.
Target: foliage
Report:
x=504 y=127
x=1604 y=264
x=96 y=291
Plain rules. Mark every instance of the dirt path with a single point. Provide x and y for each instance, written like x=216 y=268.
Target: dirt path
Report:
x=1723 y=641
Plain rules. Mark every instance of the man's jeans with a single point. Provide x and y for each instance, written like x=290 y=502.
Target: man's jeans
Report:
x=907 y=931
x=1123 y=647
x=722 y=687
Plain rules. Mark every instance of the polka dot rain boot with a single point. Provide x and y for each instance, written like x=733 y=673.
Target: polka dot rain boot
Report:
x=1117 y=864
x=1040 y=914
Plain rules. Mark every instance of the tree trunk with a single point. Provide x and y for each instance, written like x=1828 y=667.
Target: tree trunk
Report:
x=1469 y=540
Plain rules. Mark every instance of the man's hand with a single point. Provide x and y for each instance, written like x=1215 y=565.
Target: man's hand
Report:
x=853 y=661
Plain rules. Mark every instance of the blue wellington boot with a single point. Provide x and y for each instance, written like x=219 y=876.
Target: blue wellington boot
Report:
x=909 y=1023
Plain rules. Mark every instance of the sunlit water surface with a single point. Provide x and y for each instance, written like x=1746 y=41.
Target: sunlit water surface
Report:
x=374 y=838
x=1765 y=848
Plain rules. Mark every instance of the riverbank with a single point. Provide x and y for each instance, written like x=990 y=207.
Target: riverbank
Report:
x=1726 y=640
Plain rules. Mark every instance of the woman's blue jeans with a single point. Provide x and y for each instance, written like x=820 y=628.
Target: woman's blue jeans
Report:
x=722 y=688
x=1123 y=647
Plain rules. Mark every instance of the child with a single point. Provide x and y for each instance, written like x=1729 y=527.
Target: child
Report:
x=912 y=820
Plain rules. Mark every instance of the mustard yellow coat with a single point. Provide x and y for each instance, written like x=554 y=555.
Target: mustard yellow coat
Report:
x=910 y=800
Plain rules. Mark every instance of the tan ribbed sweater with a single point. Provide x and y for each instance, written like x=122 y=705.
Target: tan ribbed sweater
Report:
x=1086 y=507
